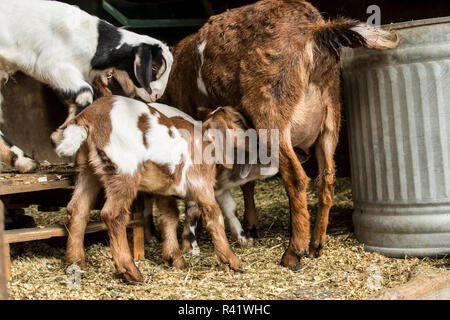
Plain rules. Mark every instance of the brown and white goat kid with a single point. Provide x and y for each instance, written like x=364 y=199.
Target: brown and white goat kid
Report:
x=278 y=62
x=126 y=146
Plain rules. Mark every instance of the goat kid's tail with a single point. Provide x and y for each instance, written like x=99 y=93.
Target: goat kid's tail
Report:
x=344 y=32
x=73 y=137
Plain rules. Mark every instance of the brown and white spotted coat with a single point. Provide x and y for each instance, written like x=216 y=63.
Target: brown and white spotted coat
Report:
x=125 y=146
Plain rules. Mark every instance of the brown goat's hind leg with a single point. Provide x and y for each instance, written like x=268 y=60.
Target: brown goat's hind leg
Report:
x=250 y=214
x=87 y=188
x=115 y=213
x=168 y=211
x=296 y=182
x=324 y=153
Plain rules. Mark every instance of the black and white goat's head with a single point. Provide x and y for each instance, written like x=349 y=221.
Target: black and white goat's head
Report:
x=152 y=65
x=147 y=61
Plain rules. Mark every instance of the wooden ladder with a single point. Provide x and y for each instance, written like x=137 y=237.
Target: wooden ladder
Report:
x=26 y=183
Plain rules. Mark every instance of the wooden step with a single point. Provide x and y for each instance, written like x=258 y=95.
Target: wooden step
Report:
x=32 y=234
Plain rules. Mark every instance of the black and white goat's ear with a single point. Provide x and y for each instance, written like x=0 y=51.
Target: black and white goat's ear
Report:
x=143 y=65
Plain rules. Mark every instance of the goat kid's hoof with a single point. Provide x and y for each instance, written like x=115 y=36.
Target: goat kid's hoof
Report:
x=133 y=275
x=245 y=242
x=234 y=263
x=178 y=262
x=191 y=249
x=82 y=264
x=130 y=272
x=315 y=249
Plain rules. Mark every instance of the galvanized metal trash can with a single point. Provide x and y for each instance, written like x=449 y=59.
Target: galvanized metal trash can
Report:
x=398 y=108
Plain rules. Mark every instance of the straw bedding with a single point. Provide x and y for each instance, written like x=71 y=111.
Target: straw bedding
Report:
x=345 y=271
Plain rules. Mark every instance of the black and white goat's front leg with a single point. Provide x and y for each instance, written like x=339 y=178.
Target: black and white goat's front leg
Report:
x=9 y=153
x=78 y=95
x=71 y=83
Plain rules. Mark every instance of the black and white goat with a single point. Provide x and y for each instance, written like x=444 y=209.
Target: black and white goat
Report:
x=65 y=47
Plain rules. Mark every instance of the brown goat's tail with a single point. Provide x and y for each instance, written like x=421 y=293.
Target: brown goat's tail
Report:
x=343 y=32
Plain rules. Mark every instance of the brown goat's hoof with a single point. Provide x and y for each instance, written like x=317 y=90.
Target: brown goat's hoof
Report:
x=179 y=263
x=298 y=266
x=315 y=249
x=291 y=260
x=300 y=252
x=235 y=263
x=253 y=232
x=244 y=240
x=81 y=262
x=133 y=275
x=133 y=278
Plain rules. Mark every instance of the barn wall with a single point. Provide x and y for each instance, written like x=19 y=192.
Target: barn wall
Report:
x=32 y=112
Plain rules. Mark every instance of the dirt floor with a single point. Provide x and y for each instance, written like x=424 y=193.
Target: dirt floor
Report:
x=345 y=271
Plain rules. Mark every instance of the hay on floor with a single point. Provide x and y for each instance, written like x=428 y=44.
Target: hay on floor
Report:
x=345 y=271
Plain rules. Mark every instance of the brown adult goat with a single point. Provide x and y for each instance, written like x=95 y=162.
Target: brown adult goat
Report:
x=278 y=61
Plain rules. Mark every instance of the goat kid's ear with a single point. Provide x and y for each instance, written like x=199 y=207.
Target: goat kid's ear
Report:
x=122 y=81
x=202 y=113
x=211 y=132
x=143 y=65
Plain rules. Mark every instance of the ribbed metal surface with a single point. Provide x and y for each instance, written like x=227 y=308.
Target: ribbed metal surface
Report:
x=398 y=105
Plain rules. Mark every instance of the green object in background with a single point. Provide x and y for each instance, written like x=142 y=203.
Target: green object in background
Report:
x=156 y=23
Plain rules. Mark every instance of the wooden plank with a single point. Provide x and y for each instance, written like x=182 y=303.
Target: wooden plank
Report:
x=3 y=275
x=32 y=234
x=49 y=198
x=20 y=188
x=426 y=283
